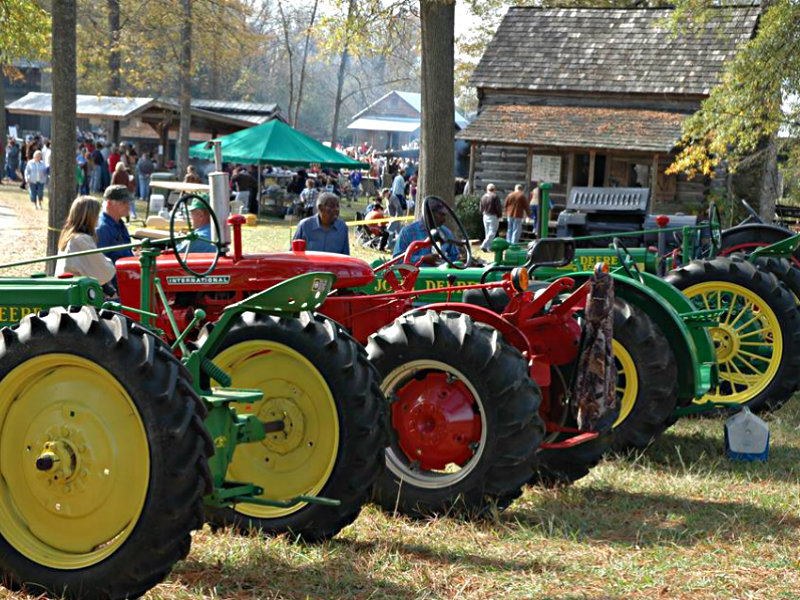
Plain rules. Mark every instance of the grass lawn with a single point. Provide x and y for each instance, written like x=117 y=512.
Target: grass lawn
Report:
x=678 y=521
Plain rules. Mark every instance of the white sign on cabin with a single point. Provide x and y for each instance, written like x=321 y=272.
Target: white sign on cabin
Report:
x=546 y=168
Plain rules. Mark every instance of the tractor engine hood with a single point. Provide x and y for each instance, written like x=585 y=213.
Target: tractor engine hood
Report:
x=253 y=272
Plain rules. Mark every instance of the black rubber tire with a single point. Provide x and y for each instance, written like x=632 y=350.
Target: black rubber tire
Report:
x=361 y=410
x=786 y=272
x=510 y=399
x=649 y=416
x=657 y=375
x=171 y=414
x=777 y=297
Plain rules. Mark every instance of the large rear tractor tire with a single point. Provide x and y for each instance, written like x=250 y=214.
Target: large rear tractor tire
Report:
x=465 y=416
x=103 y=456
x=758 y=338
x=318 y=380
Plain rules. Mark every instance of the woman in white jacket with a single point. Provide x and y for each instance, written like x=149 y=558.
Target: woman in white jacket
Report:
x=78 y=235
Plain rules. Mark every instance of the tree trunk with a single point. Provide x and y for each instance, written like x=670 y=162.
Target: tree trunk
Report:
x=337 y=104
x=296 y=117
x=437 y=140
x=65 y=87
x=114 y=63
x=3 y=126
x=185 y=94
x=770 y=182
x=287 y=41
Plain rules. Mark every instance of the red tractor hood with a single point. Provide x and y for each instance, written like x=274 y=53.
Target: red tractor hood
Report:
x=253 y=272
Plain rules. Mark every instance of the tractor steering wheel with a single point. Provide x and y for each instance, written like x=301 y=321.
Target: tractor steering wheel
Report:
x=754 y=216
x=182 y=205
x=438 y=238
x=715 y=228
x=626 y=261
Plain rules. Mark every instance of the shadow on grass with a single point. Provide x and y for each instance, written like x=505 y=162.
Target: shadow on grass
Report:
x=263 y=575
x=679 y=453
x=650 y=519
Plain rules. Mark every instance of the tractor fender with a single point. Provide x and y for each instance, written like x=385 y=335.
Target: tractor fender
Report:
x=511 y=332
x=744 y=238
x=664 y=304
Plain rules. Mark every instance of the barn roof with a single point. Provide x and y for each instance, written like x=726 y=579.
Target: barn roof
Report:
x=610 y=50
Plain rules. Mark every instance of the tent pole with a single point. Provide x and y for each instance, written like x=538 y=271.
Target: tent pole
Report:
x=258 y=191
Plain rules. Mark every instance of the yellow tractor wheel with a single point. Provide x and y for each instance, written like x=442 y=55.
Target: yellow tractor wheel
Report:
x=101 y=452
x=317 y=380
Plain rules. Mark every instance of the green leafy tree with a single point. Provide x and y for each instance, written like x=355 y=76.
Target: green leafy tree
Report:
x=740 y=121
x=25 y=34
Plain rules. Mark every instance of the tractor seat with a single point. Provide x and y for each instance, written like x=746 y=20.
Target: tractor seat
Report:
x=499 y=296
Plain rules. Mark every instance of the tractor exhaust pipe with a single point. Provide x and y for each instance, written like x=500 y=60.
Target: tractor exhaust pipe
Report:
x=219 y=193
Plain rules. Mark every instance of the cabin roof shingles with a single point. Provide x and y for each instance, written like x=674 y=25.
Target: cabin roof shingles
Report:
x=577 y=127
x=610 y=50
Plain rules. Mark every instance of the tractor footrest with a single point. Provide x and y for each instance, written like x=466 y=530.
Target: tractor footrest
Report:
x=703 y=317
x=227 y=395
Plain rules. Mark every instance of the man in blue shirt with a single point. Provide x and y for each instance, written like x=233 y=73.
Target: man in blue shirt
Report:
x=201 y=224
x=111 y=231
x=325 y=231
x=416 y=231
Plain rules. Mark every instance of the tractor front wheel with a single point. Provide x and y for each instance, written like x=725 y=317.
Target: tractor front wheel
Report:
x=318 y=381
x=465 y=416
x=102 y=455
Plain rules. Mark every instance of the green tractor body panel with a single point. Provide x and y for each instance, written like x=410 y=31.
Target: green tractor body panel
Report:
x=20 y=296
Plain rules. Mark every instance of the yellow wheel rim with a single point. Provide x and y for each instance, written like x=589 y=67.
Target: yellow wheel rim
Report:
x=300 y=459
x=627 y=381
x=748 y=340
x=84 y=498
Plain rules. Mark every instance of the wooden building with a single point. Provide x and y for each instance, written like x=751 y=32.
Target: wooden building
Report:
x=392 y=121
x=595 y=97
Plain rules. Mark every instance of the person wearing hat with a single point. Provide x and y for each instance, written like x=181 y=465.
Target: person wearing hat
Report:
x=111 y=230
x=201 y=224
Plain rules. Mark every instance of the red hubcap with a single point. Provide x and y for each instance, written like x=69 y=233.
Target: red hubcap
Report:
x=435 y=421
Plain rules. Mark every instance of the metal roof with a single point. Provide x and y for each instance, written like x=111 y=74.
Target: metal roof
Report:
x=38 y=103
x=126 y=108
x=385 y=124
x=414 y=100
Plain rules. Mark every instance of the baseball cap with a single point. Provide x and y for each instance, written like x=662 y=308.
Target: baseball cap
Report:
x=118 y=193
x=196 y=204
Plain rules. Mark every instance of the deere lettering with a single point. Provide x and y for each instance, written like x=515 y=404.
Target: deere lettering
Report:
x=431 y=285
x=12 y=314
x=587 y=263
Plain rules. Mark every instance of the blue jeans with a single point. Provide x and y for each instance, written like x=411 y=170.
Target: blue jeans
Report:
x=514 y=230
x=144 y=187
x=11 y=173
x=36 y=191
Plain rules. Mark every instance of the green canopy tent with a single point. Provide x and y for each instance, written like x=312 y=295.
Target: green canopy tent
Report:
x=276 y=143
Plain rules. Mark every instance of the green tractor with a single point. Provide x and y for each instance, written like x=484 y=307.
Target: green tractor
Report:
x=113 y=449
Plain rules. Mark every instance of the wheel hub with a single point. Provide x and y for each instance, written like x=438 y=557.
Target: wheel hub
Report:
x=435 y=421
x=286 y=410
x=726 y=342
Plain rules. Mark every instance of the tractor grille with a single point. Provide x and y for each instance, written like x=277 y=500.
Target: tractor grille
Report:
x=609 y=200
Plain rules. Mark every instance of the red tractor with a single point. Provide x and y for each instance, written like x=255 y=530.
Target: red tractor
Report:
x=481 y=404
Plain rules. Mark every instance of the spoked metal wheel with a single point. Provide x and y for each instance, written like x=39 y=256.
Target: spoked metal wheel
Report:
x=748 y=339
